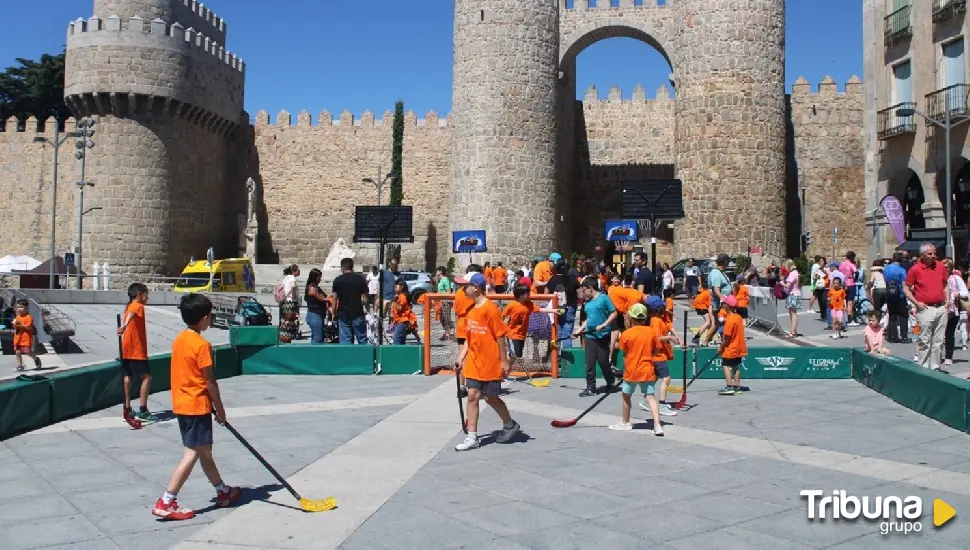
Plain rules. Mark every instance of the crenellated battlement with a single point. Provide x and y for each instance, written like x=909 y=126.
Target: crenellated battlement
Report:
x=828 y=87
x=347 y=120
x=176 y=34
x=615 y=95
x=605 y=5
x=195 y=14
x=32 y=127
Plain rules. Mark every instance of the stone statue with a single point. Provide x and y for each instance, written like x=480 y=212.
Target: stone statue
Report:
x=252 y=231
x=253 y=200
x=338 y=252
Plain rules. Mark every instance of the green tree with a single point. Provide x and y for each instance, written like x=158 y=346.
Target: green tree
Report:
x=397 y=156
x=34 y=88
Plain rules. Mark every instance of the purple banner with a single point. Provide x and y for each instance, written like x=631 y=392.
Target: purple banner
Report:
x=893 y=210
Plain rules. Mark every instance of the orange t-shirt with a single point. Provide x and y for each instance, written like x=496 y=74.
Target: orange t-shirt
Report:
x=836 y=299
x=669 y=310
x=134 y=342
x=604 y=282
x=462 y=305
x=24 y=335
x=665 y=350
x=500 y=276
x=402 y=309
x=735 y=345
x=518 y=316
x=190 y=354
x=485 y=327
x=702 y=300
x=488 y=274
x=743 y=296
x=541 y=273
x=624 y=298
x=639 y=344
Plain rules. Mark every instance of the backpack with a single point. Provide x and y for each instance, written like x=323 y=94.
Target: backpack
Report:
x=780 y=292
x=278 y=293
x=894 y=289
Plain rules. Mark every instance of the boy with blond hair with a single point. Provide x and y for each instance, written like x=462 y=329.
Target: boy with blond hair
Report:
x=195 y=397
x=484 y=362
x=640 y=346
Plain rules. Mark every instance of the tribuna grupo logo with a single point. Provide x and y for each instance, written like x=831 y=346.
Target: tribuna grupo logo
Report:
x=895 y=514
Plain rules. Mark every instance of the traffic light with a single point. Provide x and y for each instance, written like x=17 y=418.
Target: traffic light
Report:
x=806 y=240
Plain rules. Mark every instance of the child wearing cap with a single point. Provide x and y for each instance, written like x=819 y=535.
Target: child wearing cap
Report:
x=463 y=305
x=640 y=346
x=665 y=335
x=484 y=360
x=734 y=347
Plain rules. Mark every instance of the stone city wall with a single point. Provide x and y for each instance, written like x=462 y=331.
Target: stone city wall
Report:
x=831 y=163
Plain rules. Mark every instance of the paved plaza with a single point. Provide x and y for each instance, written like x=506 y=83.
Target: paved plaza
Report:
x=727 y=475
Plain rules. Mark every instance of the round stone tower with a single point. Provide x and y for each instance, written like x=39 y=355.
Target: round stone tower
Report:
x=504 y=137
x=167 y=98
x=729 y=72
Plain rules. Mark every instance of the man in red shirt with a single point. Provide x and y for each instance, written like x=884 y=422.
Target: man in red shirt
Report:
x=924 y=288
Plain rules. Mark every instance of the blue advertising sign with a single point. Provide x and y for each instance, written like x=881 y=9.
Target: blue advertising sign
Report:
x=621 y=230
x=468 y=241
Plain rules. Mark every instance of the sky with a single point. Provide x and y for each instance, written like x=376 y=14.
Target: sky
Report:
x=366 y=54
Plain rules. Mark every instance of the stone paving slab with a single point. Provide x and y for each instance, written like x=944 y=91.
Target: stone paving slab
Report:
x=727 y=475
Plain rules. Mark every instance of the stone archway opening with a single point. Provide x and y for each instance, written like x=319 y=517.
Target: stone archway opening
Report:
x=908 y=188
x=620 y=124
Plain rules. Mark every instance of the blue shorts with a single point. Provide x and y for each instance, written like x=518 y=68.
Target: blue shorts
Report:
x=647 y=388
x=196 y=430
x=661 y=369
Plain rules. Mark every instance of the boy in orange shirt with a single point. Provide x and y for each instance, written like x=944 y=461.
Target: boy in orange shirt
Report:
x=664 y=353
x=517 y=313
x=405 y=322
x=463 y=304
x=500 y=278
x=195 y=396
x=484 y=360
x=743 y=295
x=702 y=306
x=734 y=347
x=134 y=352
x=640 y=346
x=836 y=297
x=23 y=338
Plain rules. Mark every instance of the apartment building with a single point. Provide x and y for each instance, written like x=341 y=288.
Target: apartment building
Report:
x=915 y=60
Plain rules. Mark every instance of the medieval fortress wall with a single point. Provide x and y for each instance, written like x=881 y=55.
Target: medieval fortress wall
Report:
x=174 y=147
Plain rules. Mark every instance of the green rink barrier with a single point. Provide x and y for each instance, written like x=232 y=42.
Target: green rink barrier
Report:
x=24 y=406
x=574 y=361
x=85 y=390
x=942 y=397
x=780 y=363
x=329 y=359
x=254 y=336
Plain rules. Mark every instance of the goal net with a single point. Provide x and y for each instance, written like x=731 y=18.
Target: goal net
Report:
x=437 y=322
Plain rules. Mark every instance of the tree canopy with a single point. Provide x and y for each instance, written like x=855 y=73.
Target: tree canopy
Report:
x=397 y=156
x=34 y=88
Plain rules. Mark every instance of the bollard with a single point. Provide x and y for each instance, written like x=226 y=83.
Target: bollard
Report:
x=105 y=276
x=96 y=270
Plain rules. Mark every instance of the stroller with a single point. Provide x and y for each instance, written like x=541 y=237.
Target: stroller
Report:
x=863 y=306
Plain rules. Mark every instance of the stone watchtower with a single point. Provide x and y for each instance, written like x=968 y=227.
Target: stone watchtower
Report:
x=168 y=100
x=515 y=64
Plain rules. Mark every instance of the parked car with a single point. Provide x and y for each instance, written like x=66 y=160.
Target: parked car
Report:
x=419 y=282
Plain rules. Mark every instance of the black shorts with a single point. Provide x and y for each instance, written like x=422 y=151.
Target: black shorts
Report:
x=662 y=370
x=490 y=388
x=517 y=347
x=500 y=289
x=135 y=367
x=460 y=341
x=733 y=363
x=701 y=312
x=742 y=311
x=620 y=321
x=196 y=430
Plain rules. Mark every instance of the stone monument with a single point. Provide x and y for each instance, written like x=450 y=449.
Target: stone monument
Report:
x=338 y=252
x=252 y=225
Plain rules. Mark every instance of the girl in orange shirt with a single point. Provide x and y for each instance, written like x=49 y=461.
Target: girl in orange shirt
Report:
x=405 y=322
x=744 y=297
x=702 y=306
x=23 y=339
x=836 y=298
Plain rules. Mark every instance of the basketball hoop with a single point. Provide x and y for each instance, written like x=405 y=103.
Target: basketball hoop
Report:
x=623 y=246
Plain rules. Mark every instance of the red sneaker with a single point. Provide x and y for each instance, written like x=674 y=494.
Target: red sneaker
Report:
x=228 y=497
x=172 y=511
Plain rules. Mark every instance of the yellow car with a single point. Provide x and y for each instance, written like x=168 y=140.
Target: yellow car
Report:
x=229 y=275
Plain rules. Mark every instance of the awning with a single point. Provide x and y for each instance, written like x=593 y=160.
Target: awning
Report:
x=913 y=246
x=9 y=264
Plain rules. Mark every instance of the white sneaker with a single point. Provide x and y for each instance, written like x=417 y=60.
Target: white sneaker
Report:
x=470 y=442
x=622 y=427
x=658 y=431
x=810 y=310
x=667 y=410
x=916 y=358
x=854 y=324
x=644 y=406
x=834 y=337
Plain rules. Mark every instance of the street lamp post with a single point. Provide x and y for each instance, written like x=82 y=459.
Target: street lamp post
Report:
x=947 y=124
x=84 y=134
x=56 y=144
x=804 y=189
x=379 y=184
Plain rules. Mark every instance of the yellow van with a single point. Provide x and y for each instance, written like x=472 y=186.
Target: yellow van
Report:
x=229 y=275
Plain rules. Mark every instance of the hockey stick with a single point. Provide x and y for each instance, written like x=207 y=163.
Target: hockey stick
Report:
x=306 y=504
x=683 y=397
x=125 y=413
x=461 y=406
x=535 y=382
x=571 y=423
x=683 y=388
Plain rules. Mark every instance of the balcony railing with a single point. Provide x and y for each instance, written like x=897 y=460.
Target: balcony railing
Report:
x=889 y=124
x=952 y=98
x=898 y=26
x=945 y=9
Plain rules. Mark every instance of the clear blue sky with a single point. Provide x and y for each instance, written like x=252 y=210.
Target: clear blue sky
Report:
x=365 y=54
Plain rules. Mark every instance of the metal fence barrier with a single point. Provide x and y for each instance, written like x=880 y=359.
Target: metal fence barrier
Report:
x=764 y=310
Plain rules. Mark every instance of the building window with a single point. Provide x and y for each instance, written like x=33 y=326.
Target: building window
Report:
x=954 y=64
x=902 y=82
